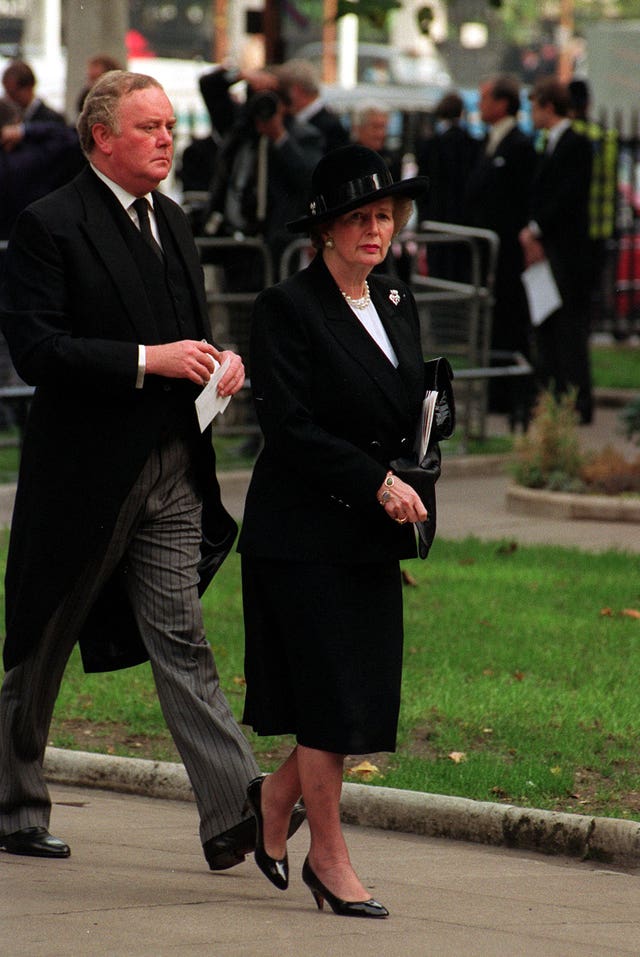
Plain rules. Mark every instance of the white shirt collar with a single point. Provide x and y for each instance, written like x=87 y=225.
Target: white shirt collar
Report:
x=555 y=133
x=124 y=197
x=498 y=132
x=305 y=114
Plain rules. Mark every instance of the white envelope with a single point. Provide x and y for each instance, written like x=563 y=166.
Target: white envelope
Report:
x=542 y=292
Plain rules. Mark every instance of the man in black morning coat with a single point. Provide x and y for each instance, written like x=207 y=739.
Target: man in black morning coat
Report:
x=118 y=520
x=497 y=198
x=558 y=229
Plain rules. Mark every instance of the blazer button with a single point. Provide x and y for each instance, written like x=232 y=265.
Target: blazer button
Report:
x=166 y=387
x=374 y=445
x=404 y=441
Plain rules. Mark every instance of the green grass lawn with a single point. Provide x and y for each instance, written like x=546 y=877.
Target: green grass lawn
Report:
x=520 y=681
x=616 y=366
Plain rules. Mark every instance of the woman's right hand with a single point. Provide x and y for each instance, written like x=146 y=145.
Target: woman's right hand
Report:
x=400 y=501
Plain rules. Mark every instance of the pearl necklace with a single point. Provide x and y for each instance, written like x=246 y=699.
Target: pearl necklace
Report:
x=362 y=302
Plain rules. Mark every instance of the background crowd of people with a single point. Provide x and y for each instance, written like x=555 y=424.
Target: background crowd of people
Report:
x=252 y=174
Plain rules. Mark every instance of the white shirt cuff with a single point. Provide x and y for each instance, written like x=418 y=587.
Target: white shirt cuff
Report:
x=142 y=365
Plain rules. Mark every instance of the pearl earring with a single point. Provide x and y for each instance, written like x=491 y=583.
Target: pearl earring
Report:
x=329 y=243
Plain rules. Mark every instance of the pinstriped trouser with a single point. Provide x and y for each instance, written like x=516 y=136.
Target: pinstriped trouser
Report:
x=158 y=536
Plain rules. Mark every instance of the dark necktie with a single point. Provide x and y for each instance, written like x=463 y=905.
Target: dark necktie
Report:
x=141 y=207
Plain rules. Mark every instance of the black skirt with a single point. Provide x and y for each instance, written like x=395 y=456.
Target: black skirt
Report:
x=323 y=653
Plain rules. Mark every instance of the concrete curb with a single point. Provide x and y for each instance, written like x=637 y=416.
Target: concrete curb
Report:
x=571 y=506
x=433 y=815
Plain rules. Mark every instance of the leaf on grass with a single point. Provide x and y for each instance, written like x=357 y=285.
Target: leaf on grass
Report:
x=408 y=578
x=488 y=672
x=507 y=548
x=239 y=680
x=518 y=675
x=363 y=770
x=467 y=561
x=487 y=730
x=457 y=756
x=556 y=770
x=499 y=792
x=606 y=613
x=630 y=612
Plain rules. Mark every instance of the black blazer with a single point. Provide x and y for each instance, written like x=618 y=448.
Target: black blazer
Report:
x=331 y=127
x=560 y=206
x=73 y=309
x=334 y=412
x=499 y=187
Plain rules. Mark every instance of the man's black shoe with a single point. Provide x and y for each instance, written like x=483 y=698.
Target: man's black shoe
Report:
x=230 y=848
x=34 y=842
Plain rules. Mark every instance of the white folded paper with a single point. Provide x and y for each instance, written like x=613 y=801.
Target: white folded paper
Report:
x=426 y=421
x=542 y=292
x=209 y=403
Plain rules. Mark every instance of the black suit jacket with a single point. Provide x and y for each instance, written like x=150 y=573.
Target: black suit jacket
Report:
x=330 y=126
x=447 y=160
x=46 y=114
x=334 y=412
x=73 y=308
x=499 y=187
x=497 y=198
x=560 y=207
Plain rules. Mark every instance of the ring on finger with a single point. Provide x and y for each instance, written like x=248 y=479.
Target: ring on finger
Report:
x=402 y=520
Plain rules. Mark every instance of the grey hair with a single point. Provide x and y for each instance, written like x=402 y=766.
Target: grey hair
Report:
x=367 y=110
x=103 y=101
x=299 y=72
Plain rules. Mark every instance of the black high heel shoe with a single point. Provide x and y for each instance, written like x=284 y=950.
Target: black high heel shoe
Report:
x=370 y=908
x=277 y=871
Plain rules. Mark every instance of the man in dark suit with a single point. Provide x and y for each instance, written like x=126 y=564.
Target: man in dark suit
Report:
x=300 y=87
x=118 y=523
x=35 y=158
x=497 y=198
x=558 y=230
x=446 y=158
x=20 y=87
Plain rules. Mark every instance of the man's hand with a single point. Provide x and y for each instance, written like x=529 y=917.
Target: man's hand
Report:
x=192 y=359
x=233 y=379
x=11 y=135
x=531 y=246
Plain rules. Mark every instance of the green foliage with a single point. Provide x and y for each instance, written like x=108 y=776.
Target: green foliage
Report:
x=548 y=454
x=630 y=419
x=373 y=11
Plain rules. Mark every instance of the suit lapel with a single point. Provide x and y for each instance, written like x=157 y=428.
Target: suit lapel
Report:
x=103 y=231
x=354 y=338
x=180 y=230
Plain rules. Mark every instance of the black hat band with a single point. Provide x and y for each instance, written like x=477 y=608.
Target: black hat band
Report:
x=345 y=192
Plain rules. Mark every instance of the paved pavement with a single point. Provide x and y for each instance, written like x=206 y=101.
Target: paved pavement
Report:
x=136 y=883
x=136 y=886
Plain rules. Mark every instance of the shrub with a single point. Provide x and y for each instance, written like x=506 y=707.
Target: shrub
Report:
x=548 y=454
x=630 y=418
x=609 y=473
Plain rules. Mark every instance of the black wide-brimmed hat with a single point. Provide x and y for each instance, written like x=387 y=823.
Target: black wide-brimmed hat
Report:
x=349 y=177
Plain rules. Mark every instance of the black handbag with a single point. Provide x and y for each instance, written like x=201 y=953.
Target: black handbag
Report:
x=422 y=475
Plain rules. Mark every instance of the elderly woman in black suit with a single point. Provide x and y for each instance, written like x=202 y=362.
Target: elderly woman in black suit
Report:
x=338 y=381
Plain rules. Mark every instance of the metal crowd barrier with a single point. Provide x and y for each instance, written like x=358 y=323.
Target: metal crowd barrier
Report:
x=455 y=316
x=456 y=313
